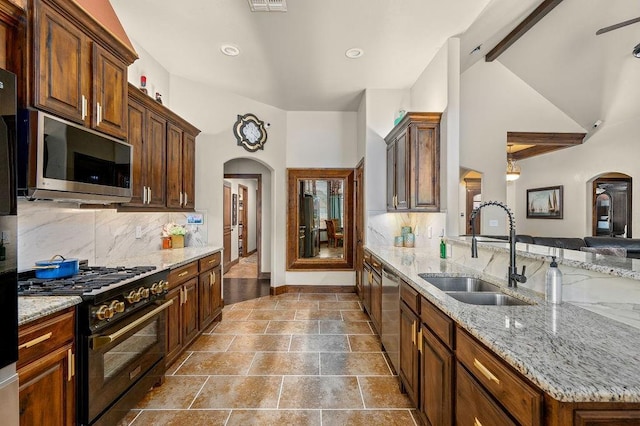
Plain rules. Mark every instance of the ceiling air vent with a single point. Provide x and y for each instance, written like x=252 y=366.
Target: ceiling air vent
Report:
x=268 y=5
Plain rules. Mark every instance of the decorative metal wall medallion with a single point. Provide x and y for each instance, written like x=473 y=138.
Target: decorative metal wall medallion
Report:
x=250 y=132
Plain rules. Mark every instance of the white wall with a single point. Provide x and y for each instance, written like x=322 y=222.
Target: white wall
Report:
x=214 y=112
x=493 y=102
x=321 y=140
x=158 y=78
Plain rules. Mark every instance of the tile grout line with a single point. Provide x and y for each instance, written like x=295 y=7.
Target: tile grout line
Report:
x=280 y=393
x=229 y=416
x=230 y=343
x=290 y=343
x=198 y=393
x=349 y=343
x=135 y=418
x=361 y=394
x=181 y=364
x=255 y=355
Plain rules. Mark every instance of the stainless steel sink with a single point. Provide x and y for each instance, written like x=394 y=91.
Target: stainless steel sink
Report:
x=466 y=284
x=496 y=299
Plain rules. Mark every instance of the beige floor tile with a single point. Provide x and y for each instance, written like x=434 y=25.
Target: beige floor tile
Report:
x=177 y=363
x=236 y=314
x=241 y=327
x=274 y=417
x=353 y=363
x=285 y=363
x=216 y=363
x=319 y=296
x=240 y=392
x=181 y=417
x=337 y=306
x=319 y=343
x=287 y=296
x=352 y=297
x=320 y=392
x=130 y=417
x=362 y=343
x=211 y=327
x=354 y=316
x=267 y=315
x=345 y=327
x=260 y=342
x=212 y=343
x=309 y=305
x=367 y=418
x=304 y=314
x=176 y=392
x=261 y=303
x=383 y=392
x=292 y=327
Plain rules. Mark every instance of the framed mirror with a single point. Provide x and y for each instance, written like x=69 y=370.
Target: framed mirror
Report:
x=320 y=219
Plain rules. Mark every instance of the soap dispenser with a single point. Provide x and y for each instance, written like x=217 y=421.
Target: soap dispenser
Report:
x=553 y=283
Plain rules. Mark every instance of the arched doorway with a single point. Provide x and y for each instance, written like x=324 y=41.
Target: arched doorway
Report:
x=246 y=230
x=612 y=205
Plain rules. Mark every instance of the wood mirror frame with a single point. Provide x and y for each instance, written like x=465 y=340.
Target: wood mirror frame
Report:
x=294 y=177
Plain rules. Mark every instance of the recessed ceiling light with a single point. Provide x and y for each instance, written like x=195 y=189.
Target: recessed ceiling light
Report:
x=354 y=53
x=229 y=50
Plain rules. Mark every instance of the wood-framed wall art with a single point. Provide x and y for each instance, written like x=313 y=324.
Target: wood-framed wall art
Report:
x=545 y=203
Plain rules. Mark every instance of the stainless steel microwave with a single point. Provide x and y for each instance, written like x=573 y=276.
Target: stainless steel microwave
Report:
x=65 y=161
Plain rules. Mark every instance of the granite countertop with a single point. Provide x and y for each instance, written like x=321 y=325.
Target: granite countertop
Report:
x=572 y=354
x=612 y=265
x=31 y=308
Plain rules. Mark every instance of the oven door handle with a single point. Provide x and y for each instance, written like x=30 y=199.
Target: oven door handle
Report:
x=100 y=341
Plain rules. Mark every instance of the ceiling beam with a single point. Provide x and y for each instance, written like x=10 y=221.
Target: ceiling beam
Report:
x=534 y=17
x=544 y=138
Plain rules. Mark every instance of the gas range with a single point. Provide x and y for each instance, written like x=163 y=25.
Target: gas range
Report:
x=109 y=293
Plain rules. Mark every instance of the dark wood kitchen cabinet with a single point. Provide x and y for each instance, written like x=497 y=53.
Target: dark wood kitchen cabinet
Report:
x=163 y=176
x=182 y=316
x=210 y=289
x=372 y=289
x=46 y=370
x=413 y=163
x=79 y=68
x=408 y=371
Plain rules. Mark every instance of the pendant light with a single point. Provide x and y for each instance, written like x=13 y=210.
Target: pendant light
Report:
x=513 y=170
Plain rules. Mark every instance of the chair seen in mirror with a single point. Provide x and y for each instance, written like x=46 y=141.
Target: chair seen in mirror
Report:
x=335 y=236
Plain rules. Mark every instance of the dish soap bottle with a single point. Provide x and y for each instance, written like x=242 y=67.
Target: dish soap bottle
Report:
x=443 y=249
x=553 y=283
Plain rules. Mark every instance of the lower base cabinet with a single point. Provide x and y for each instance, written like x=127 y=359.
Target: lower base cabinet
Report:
x=46 y=370
x=436 y=390
x=409 y=369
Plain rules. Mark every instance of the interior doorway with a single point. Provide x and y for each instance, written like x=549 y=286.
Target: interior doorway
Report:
x=612 y=205
x=472 y=186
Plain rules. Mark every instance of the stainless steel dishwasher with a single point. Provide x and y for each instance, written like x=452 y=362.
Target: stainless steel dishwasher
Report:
x=390 y=333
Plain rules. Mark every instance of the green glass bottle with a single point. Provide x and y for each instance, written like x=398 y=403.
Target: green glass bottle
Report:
x=443 y=250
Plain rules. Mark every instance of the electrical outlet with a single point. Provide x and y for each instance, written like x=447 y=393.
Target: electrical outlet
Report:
x=429 y=232
x=493 y=223
x=138 y=232
x=6 y=237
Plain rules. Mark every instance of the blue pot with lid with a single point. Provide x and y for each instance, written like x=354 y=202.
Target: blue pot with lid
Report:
x=56 y=267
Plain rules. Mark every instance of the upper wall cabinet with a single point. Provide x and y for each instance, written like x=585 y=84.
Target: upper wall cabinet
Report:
x=413 y=163
x=79 y=70
x=164 y=148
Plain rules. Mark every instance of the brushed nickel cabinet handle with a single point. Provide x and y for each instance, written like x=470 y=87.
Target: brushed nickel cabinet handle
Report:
x=84 y=107
x=99 y=113
x=181 y=199
x=485 y=371
x=186 y=198
x=149 y=195
x=35 y=341
x=413 y=333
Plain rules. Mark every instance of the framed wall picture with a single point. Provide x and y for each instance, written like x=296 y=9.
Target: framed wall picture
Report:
x=544 y=203
x=234 y=209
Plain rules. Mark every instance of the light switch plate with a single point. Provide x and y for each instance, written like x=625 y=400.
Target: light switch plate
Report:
x=493 y=223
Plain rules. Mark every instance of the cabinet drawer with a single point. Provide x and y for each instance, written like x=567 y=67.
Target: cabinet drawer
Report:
x=209 y=262
x=376 y=265
x=474 y=406
x=410 y=296
x=37 y=339
x=179 y=275
x=441 y=325
x=521 y=400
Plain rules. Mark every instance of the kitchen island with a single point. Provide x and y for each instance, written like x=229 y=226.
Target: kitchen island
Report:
x=575 y=357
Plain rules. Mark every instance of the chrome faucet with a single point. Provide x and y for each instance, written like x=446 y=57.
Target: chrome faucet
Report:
x=514 y=276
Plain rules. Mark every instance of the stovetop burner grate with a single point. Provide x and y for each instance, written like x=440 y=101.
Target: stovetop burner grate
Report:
x=86 y=281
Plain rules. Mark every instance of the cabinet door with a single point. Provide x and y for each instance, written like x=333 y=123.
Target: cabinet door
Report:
x=155 y=156
x=189 y=171
x=409 y=352
x=61 y=81
x=174 y=325
x=436 y=388
x=136 y=137
x=216 y=291
x=174 y=166
x=425 y=167
x=391 y=176
x=402 y=172
x=47 y=390
x=190 y=310
x=109 y=93
x=205 y=301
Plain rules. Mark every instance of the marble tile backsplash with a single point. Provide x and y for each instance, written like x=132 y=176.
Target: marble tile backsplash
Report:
x=100 y=235
x=383 y=226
